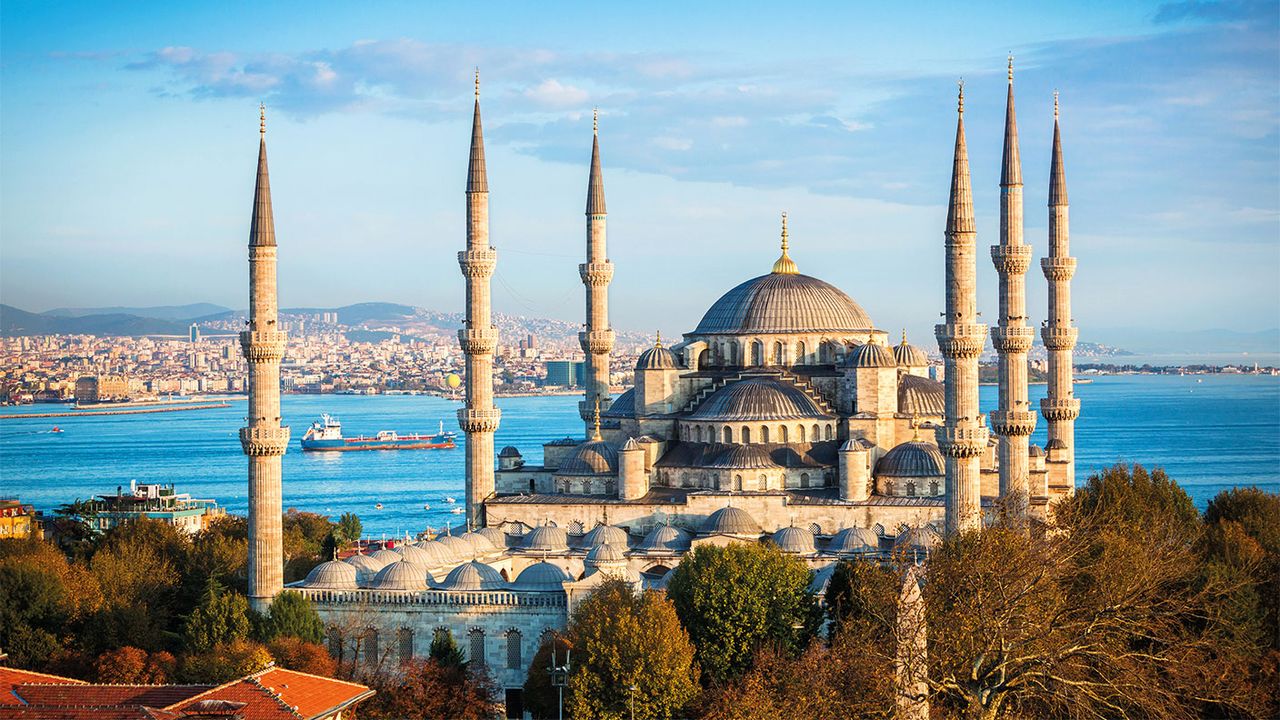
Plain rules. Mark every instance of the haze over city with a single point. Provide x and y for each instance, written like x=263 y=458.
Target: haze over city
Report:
x=130 y=136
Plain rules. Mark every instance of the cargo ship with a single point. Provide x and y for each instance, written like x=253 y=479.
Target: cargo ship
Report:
x=326 y=434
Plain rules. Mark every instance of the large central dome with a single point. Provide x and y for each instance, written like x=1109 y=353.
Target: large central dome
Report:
x=783 y=303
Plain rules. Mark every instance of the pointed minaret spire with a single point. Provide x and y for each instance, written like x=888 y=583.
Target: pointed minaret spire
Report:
x=262 y=228
x=784 y=264
x=963 y=438
x=596 y=273
x=477 y=180
x=1057 y=174
x=1014 y=421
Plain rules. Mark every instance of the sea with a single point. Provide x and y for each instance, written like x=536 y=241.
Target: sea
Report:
x=1209 y=432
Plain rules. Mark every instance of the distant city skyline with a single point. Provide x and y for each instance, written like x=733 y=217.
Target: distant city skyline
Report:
x=129 y=138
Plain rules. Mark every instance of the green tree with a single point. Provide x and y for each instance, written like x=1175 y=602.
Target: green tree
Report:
x=541 y=698
x=34 y=606
x=349 y=528
x=1132 y=498
x=632 y=655
x=221 y=618
x=444 y=650
x=291 y=615
x=1242 y=537
x=735 y=598
x=224 y=663
x=859 y=594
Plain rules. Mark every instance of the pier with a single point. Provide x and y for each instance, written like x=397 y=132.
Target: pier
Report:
x=131 y=411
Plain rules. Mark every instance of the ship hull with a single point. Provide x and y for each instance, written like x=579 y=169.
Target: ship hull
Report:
x=352 y=444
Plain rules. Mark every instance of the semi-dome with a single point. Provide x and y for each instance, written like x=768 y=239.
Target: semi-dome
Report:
x=665 y=538
x=1035 y=451
x=473 y=576
x=366 y=567
x=657 y=358
x=852 y=541
x=386 y=556
x=783 y=303
x=909 y=355
x=916 y=458
x=601 y=534
x=758 y=398
x=402 y=575
x=546 y=538
x=596 y=457
x=436 y=554
x=870 y=355
x=730 y=521
x=794 y=540
x=921 y=396
x=744 y=457
x=541 y=577
x=332 y=575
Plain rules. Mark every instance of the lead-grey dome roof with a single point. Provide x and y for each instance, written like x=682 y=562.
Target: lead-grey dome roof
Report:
x=601 y=534
x=385 y=556
x=657 y=358
x=744 y=457
x=332 y=575
x=758 y=398
x=665 y=538
x=783 y=303
x=916 y=458
x=591 y=458
x=458 y=548
x=547 y=538
x=852 y=541
x=909 y=355
x=870 y=355
x=401 y=575
x=366 y=567
x=436 y=554
x=920 y=396
x=730 y=521
x=473 y=576
x=606 y=553
x=494 y=535
x=794 y=540
x=922 y=538
x=541 y=577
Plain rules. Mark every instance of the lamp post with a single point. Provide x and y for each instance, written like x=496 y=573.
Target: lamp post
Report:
x=560 y=673
x=633 y=702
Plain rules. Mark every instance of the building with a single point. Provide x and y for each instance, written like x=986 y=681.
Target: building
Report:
x=101 y=388
x=193 y=333
x=154 y=501
x=784 y=416
x=16 y=520
x=565 y=373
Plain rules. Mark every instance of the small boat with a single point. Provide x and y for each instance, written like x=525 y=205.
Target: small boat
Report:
x=457 y=511
x=56 y=429
x=450 y=500
x=426 y=506
x=377 y=506
x=326 y=434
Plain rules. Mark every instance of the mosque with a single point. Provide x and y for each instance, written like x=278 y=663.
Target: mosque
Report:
x=784 y=416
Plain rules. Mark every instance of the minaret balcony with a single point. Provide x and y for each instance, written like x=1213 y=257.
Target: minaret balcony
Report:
x=260 y=346
x=1058 y=409
x=1011 y=259
x=961 y=340
x=596 y=273
x=596 y=342
x=962 y=442
x=478 y=263
x=1058 y=268
x=1013 y=422
x=1015 y=339
x=1059 y=338
x=479 y=420
x=264 y=441
x=478 y=341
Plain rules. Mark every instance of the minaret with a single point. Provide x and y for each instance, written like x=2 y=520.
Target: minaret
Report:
x=264 y=440
x=1014 y=421
x=1060 y=408
x=964 y=436
x=596 y=272
x=479 y=339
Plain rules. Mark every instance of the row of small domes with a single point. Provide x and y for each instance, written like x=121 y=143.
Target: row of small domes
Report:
x=404 y=575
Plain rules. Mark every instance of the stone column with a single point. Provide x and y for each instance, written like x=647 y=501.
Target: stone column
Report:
x=1014 y=421
x=596 y=273
x=963 y=437
x=479 y=418
x=264 y=440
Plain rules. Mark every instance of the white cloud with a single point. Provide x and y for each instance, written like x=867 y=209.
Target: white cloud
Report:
x=554 y=94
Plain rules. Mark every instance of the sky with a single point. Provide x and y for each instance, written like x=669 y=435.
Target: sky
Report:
x=128 y=141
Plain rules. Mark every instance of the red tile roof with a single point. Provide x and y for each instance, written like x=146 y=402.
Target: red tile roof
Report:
x=10 y=678
x=279 y=693
x=156 y=696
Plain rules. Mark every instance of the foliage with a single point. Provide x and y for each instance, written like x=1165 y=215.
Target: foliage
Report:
x=1257 y=511
x=1131 y=497
x=140 y=592
x=632 y=654
x=304 y=534
x=349 y=528
x=221 y=617
x=133 y=666
x=295 y=654
x=291 y=615
x=34 y=606
x=444 y=650
x=1242 y=538
x=541 y=698
x=221 y=553
x=426 y=690
x=736 y=598
x=863 y=595
x=224 y=663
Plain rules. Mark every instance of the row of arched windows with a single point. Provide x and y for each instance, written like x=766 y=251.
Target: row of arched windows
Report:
x=368 y=646
x=766 y=434
x=742 y=480
x=760 y=353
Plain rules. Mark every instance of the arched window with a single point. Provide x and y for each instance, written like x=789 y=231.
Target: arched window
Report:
x=733 y=353
x=405 y=641
x=704 y=359
x=533 y=485
x=699 y=433
x=586 y=487
x=514 y=655
x=782 y=434
x=728 y=434
x=828 y=432
x=757 y=352
x=764 y=482
x=888 y=487
x=746 y=435
x=737 y=483
x=371 y=646
x=800 y=433
x=335 y=643
x=804 y=480
x=476 y=637
x=800 y=359
x=764 y=434
x=933 y=487
x=824 y=353
x=817 y=432
x=911 y=488
x=684 y=479
x=777 y=353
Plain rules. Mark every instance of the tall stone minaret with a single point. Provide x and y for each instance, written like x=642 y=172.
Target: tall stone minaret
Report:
x=596 y=272
x=1060 y=407
x=1014 y=421
x=479 y=339
x=264 y=440
x=964 y=436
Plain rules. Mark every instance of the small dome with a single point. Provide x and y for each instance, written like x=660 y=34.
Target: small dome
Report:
x=756 y=399
x=665 y=538
x=794 y=540
x=366 y=567
x=495 y=536
x=601 y=534
x=870 y=355
x=1055 y=444
x=542 y=577
x=606 y=554
x=923 y=538
x=912 y=459
x=509 y=451
x=657 y=358
x=546 y=538
x=418 y=556
x=332 y=575
x=744 y=457
x=1035 y=451
x=480 y=544
x=630 y=445
x=730 y=521
x=851 y=541
x=473 y=576
x=909 y=355
x=457 y=548
x=401 y=575
x=436 y=554
x=921 y=396
x=386 y=556
x=591 y=458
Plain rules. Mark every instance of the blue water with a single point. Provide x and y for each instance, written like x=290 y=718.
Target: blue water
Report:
x=1210 y=432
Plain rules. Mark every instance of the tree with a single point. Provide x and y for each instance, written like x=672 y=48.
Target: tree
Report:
x=224 y=663
x=444 y=650
x=34 y=607
x=426 y=690
x=349 y=528
x=140 y=589
x=291 y=615
x=1130 y=497
x=632 y=653
x=541 y=698
x=295 y=654
x=1257 y=511
x=133 y=666
x=221 y=617
x=219 y=552
x=864 y=595
x=736 y=598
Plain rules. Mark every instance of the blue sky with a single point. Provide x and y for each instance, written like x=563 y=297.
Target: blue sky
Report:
x=128 y=139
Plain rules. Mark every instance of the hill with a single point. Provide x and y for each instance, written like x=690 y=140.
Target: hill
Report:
x=158 y=312
x=15 y=322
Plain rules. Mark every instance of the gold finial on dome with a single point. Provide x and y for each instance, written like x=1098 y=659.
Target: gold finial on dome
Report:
x=262 y=118
x=595 y=420
x=657 y=343
x=904 y=336
x=785 y=265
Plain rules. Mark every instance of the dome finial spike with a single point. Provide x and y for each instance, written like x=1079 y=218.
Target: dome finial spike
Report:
x=1055 y=106
x=785 y=265
x=477 y=83
x=595 y=421
x=658 y=342
x=904 y=336
x=595 y=121
x=262 y=118
x=1010 y=67
x=960 y=101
